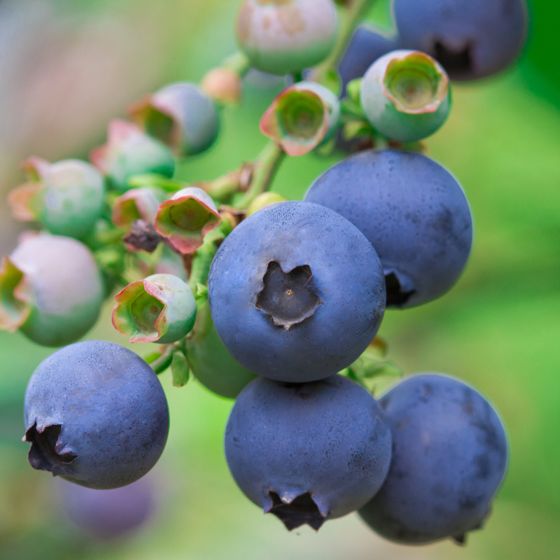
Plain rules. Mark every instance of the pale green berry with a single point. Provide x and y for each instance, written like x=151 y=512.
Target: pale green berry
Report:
x=406 y=95
x=185 y=219
x=161 y=308
x=51 y=290
x=286 y=36
x=182 y=116
x=65 y=197
x=302 y=117
x=128 y=152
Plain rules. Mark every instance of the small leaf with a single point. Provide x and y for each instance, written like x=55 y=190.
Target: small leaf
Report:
x=180 y=369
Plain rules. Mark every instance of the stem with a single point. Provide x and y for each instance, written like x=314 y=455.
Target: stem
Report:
x=266 y=166
x=159 y=365
x=353 y=13
x=205 y=254
x=237 y=63
x=223 y=187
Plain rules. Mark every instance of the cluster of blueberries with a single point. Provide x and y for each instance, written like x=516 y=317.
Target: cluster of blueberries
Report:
x=271 y=301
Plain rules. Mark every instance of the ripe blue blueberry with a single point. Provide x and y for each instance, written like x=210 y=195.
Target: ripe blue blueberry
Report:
x=414 y=213
x=470 y=38
x=105 y=515
x=365 y=47
x=296 y=292
x=307 y=452
x=449 y=458
x=96 y=415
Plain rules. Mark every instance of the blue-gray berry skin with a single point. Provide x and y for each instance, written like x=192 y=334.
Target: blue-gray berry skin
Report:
x=307 y=452
x=296 y=292
x=414 y=213
x=449 y=458
x=365 y=47
x=96 y=415
x=470 y=38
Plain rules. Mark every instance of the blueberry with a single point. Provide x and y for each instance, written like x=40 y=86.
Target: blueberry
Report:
x=365 y=47
x=182 y=116
x=223 y=85
x=285 y=36
x=413 y=212
x=302 y=117
x=129 y=152
x=449 y=458
x=96 y=415
x=51 y=290
x=406 y=95
x=160 y=308
x=105 y=515
x=210 y=361
x=307 y=452
x=66 y=197
x=296 y=292
x=470 y=38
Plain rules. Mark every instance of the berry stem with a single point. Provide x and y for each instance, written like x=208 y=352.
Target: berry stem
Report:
x=265 y=167
x=205 y=253
x=237 y=63
x=159 y=365
x=354 y=11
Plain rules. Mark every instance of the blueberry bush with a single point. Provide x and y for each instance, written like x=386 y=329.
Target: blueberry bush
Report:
x=271 y=302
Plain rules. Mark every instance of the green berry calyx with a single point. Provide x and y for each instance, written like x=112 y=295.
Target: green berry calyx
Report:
x=160 y=308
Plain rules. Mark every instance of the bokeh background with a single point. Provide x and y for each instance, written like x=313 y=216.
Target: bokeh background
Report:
x=67 y=67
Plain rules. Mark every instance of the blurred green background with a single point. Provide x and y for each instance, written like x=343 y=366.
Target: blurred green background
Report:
x=67 y=67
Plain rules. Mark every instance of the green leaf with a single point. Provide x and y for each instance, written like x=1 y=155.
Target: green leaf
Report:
x=180 y=369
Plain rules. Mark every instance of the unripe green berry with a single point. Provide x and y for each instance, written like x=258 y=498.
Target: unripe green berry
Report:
x=65 y=197
x=185 y=219
x=136 y=204
x=223 y=85
x=50 y=289
x=210 y=361
x=182 y=116
x=406 y=95
x=301 y=118
x=160 y=308
x=128 y=152
x=263 y=201
x=285 y=36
